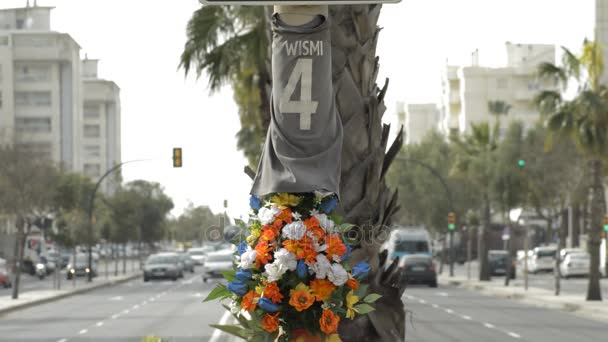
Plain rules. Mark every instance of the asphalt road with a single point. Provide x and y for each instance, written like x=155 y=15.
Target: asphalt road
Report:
x=453 y=314
x=545 y=280
x=126 y=312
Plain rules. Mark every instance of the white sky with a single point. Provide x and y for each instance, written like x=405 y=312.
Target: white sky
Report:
x=139 y=43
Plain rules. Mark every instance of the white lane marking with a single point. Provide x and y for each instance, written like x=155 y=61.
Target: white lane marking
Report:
x=409 y=297
x=125 y=312
x=514 y=335
x=450 y=311
x=152 y=299
x=489 y=326
x=422 y=301
x=198 y=295
x=135 y=307
x=63 y=340
x=115 y=316
x=117 y=298
x=468 y=318
x=441 y=294
x=99 y=324
x=144 y=302
x=83 y=331
x=435 y=306
x=217 y=334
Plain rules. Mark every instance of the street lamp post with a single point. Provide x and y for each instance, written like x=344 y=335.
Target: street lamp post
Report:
x=90 y=214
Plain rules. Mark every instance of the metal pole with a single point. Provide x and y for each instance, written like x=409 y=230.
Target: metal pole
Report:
x=526 y=247
x=451 y=251
x=469 y=256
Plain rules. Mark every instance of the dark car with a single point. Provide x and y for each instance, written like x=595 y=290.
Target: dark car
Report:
x=418 y=269
x=162 y=266
x=187 y=262
x=79 y=266
x=499 y=261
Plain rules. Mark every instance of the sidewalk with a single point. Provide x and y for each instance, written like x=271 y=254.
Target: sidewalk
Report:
x=36 y=297
x=534 y=296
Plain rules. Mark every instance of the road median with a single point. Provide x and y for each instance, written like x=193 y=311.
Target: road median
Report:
x=37 y=297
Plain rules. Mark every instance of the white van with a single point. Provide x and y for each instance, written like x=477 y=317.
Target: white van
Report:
x=408 y=240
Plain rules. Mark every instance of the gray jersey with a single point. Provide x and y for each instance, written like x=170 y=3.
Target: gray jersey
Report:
x=304 y=141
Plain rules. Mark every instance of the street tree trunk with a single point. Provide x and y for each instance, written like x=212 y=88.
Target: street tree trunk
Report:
x=19 y=251
x=598 y=208
x=365 y=199
x=482 y=247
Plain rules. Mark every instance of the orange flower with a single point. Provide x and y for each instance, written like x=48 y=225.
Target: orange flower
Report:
x=270 y=322
x=263 y=253
x=248 y=303
x=329 y=322
x=301 y=298
x=285 y=215
x=273 y=292
x=312 y=225
x=269 y=233
x=335 y=246
x=352 y=283
x=311 y=222
x=322 y=289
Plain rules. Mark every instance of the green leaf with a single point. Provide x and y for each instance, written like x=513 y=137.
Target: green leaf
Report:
x=219 y=291
x=344 y=227
x=361 y=291
x=372 y=297
x=232 y=330
x=244 y=322
x=240 y=223
x=229 y=275
x=363 y=308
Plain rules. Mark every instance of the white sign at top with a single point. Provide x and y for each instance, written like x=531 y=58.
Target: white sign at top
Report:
x=297 y=2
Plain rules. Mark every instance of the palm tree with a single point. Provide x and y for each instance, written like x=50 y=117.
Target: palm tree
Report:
x=366 y=201
x=584 y=118
x=475 y=159
x=498 y=108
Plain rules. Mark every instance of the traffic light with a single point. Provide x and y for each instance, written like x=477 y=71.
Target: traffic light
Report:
x=451 y=221
x=177 y=157
x=606 y=223
x=521 y=163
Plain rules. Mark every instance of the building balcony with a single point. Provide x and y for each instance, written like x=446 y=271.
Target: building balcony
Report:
x=454 y=98
x=525 y=94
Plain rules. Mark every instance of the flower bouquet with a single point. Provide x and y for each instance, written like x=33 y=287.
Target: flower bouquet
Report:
x=291 y=280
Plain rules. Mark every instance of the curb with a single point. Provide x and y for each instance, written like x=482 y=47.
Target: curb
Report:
x=565 y=306
x=57 y=297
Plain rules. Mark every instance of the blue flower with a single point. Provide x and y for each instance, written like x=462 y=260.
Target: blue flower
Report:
x=243 y=275
x=348 y=250
x=360 y=270
x=267 y=305
x=255 y=203
x=301 y=269
x=242 y=247
x=237 y=287
x=329 y=205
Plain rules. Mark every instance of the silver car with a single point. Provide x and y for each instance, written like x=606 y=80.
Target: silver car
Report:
x=162 y=266
x=216 y=263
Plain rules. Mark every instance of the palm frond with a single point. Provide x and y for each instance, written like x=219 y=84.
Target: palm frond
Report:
x=547 y=101
x=571 y=63
x=552 y=72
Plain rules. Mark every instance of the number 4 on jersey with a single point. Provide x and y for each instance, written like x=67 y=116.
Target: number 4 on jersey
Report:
x=305 y=106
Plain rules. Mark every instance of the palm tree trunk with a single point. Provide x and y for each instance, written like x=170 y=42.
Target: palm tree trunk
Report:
x=21 y=223
x=366 y=201
x=484 y=267
x=598 y=208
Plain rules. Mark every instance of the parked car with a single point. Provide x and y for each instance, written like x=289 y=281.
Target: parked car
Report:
x=418 y=268
x=162 y=266
x=543 y=259
x=198 y=254
x=187 y=261
x=216 y=263
x=575 y=264
x=565 y=251
x=499 y=262
x=5 y=278
x=79 y=266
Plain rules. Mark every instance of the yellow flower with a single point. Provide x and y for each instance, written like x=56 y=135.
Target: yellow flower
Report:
x=251 y=240
x=256 y=232
x=259 y=289
x=283 y=200
x=351 y=300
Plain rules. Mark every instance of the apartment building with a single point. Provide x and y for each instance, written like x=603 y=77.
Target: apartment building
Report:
x=467 y=90
x=418 y=120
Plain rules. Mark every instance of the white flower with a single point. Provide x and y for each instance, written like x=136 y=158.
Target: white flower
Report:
x=336 y=258
x=325 y=222
x=275 y=271
x=337 y=275
x=296 y=215
x=287 y=258
x=267 y=215
x=234 y=308
x=294 y=231
x=315 y=243
x=248 y=259
x=322 y=267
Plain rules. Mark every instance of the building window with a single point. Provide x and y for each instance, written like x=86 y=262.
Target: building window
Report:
x=92 y=170
x=36 y=73
x=92 y=151
x=33 y=98
x=20 y=23
x=502 y=83
x=91 y=131
x=42 y=150
x=4 y=40
x=91 y=111
x=33 y=124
